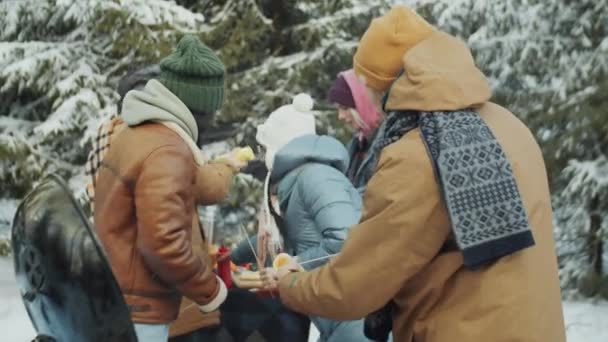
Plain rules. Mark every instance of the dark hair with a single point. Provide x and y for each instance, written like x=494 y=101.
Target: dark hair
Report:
x=136 y=78
x=204 y=122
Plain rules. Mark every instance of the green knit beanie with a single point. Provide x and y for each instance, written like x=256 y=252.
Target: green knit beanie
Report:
x=195 y=74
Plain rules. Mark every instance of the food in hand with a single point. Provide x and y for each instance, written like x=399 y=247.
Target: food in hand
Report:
x=245 y=279
x=245 y=154
x=242 y=155
x=249 y=275
x=283 y=259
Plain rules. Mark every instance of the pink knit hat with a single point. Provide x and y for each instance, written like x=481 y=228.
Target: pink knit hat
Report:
x=368 y=112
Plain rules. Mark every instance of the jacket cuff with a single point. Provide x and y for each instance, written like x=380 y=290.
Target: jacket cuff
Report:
x=215 y=303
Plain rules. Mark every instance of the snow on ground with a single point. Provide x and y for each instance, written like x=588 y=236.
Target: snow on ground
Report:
x=585 y=321
x=7 y=211
x=15 y=326
x=314 y=334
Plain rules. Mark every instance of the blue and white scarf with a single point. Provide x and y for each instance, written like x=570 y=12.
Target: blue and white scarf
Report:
x=484 y=204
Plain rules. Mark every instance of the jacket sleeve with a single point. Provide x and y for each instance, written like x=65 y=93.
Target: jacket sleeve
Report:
x=334 y=208
x=213 y=181
x=164 y=201
x=391 y=244
x=242 y=253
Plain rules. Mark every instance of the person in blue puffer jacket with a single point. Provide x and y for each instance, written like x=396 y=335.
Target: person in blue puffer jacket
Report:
x=317 y=202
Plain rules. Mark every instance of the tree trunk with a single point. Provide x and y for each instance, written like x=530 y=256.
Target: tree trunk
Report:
x=596 y=245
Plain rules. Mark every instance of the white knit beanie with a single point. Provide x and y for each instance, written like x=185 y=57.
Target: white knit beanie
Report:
x=284 y=124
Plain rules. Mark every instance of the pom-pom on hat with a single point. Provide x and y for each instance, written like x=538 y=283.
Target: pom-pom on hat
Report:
x=286 y=123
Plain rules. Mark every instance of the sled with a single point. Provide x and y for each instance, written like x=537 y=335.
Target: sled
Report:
x=64 y=277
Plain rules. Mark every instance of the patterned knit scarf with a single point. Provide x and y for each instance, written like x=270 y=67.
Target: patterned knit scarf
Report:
x=484 y=205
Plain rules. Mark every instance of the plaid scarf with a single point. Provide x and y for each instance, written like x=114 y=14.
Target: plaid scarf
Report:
x=99 y=148
x=484 y=205
x=101 y=144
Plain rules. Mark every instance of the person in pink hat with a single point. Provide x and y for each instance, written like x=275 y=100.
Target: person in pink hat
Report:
x=357 y=110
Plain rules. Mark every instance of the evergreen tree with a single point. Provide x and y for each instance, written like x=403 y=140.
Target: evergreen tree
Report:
x=59 y=63
x=546 y=60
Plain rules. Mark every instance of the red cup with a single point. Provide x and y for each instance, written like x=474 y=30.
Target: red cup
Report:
x=223 y=267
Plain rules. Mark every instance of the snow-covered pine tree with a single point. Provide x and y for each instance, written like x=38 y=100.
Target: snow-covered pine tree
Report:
x=59 y=62
x=582 y=228
x=581 y=199
x=60 y=59
x=538 y=55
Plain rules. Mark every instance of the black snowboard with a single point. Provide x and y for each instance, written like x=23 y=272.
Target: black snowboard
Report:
x=65 y=279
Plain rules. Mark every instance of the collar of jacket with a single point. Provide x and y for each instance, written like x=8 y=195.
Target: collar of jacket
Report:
x=157 y=103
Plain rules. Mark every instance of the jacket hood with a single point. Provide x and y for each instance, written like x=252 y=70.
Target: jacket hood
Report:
x=440 y=74
x=157 y=103
x=309 y=149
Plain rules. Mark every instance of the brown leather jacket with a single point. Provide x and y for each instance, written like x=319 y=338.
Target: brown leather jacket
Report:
x=190 y=317
x=145 y=202
x=212 y=183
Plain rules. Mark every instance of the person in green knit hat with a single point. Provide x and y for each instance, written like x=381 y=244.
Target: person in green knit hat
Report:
x=195 y=76
x=146 y=191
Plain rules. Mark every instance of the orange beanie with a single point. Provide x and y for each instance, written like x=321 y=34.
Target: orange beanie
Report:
x=387 y=39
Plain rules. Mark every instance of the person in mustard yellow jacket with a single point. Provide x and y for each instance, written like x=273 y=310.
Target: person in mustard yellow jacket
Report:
x=456 y=232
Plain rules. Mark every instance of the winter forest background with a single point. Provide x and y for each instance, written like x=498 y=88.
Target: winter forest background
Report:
x=547 y=60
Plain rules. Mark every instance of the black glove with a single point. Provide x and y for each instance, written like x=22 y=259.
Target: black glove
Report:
x=256 y=168
x=379 y=324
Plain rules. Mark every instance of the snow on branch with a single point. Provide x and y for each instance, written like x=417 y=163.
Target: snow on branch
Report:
x=588 y=178
x=38 y=64
x=156 y=12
